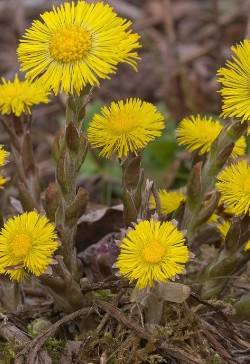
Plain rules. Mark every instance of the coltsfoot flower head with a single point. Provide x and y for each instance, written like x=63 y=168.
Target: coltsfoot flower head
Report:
x=3 y=156
x=152 y=251
x=234 y=185
x=198 y=133
x=170 y=201
x=213 y=218
x=125 y=127
x=235 y=83
x=27 y=243
x=18 y=96
x=3 y=181
x=76 y=44
x=247 y=246
x=223 y=228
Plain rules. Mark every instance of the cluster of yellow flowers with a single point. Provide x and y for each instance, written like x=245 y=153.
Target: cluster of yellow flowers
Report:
x=76 y=45
x=73 y=46
x=234 y=181
x=234 y=185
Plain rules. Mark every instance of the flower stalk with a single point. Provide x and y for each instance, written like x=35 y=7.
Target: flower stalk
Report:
x=64 y=203
x=72 y=203
x=64 y=289
x=132 y=182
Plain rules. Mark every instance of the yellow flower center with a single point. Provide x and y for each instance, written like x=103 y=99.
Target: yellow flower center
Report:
x=70 y=44
x=21 y=245
x=153 y=252
x=122 y=124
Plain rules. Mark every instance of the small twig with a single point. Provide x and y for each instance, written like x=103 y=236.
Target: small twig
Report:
x=34 y=346
x=120 y=317
x=103 y=323
x=99 y=286
x=106 y=316
x=213 y=307
x=229 y=324
x=13 y=334
x=218 y=347
x=35 y=292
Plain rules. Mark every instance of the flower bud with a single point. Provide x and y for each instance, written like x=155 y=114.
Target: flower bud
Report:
x=78 y=207
x=61 y=173
x=72 y=137
x=51 y=201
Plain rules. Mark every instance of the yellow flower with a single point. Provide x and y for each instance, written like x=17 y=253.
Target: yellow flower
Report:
x=224 y=228
x=76 y=44
x=3 y=156
x=170 y=201
x=228 y=210
x=125 y=127
x=18 y=97
x=152 y=251
x=213 y=218
x=234 y=185
x=198 y=133
x=235 y=83
x=3 y=180
x=27 y=243
x=247 y=246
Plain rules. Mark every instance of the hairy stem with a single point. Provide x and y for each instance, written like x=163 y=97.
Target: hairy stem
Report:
x=132 y=181
x=72 y=203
